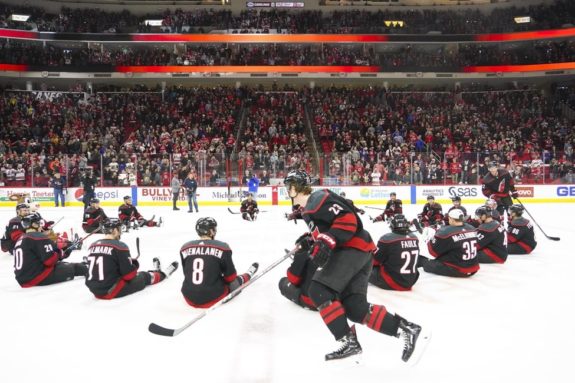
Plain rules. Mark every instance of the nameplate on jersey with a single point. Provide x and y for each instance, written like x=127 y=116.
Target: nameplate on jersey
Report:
x=408 y=244
x=203 y=250
x=463 y=236
x=101 y=250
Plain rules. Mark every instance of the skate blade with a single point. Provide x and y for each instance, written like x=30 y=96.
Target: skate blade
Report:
x=422 y=342
x=349 y=362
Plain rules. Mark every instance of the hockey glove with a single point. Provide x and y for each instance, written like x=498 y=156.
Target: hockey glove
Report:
x=135 y=263
x=379 y=218
x=322 y=249
x=305 y=242
x=62 y=242
x=295 y=214
x=361 y=211
x=514 y=194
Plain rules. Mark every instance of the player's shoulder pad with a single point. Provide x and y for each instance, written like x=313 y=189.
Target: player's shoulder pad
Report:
x=316 y=200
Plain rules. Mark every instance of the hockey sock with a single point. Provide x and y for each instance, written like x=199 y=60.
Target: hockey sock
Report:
x=80 y=269
x=155 y=277
x=333 y=315
x=380 y=320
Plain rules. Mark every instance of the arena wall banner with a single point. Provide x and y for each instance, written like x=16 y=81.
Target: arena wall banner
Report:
x=359 y=194
x=207 y=196
x=109 y=196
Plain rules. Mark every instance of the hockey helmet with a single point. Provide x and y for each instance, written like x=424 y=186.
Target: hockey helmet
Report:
x=456 y=199
x=430 y=197
x=493 y=164
x=399 y=224
x=484 y=210
x=517 y=209
x=342 y=194
x=22 y=205
x=490 y=202
x=110 y=224
x=297 y=178
x=205 y=225
x=94 y=200
x=30 y=219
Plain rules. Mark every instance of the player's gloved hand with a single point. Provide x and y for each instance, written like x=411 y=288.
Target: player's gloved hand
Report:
x=514 y=194
x=62 y=242
x=305 y=241
x=295 y=214
x=322 y=249
x=63 y=254
x=135 y=263
x=361 y=211
x=47 y=225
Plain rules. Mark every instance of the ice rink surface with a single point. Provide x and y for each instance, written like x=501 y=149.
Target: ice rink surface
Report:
x=511 y=322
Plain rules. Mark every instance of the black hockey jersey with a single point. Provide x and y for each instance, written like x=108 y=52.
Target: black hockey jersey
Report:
x=393 y=207
x=208 y=269
x=432 y=213
x=128 y=213
x=13 y=232
x=327 y=212
x=249 y=206
x=396 y=260
x=456 y=247
x=492 y=240
x=93 y=217
x=34 y=258
x=300 y=273
x=110 y=267
x=520 y=231
x=499 y=186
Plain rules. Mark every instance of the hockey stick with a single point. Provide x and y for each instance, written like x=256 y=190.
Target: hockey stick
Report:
x=233 y=212
x=55 y=223
x=535 y=222
x=137 y=247
x=375 y=208
x=80 y=240
x=159 y=330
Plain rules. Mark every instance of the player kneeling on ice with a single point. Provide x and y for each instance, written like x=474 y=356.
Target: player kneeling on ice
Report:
x=94 y=216
x=131 y=217
x=112 y=273
x=209 y=271
x=491 y=237
x=342 y=253
x=395 y=261
x=295 y=286
x=14 y=229
x=37 y=259
x=520 y=234
x=454 y=248
x=249 y=208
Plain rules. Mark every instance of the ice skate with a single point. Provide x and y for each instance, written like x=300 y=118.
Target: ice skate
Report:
x=349 y=346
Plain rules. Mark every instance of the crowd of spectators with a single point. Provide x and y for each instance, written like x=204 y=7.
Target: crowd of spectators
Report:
x=392 y=58
x=366 y=135
x=545 y=16
x=375 y=136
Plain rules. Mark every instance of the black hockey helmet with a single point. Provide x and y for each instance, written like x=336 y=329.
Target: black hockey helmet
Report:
x=110 y=224
x=94 y=200
x=517 y=209
x=205 y=225
x=492 y=164
x=399 y=224
x=22 y=205
x=456 y=199
x=484 y=210
x=297 y=178
x=342 y=194
x=430 y=197
x=30 y=219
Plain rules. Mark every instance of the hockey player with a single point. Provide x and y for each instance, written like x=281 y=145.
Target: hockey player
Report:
x=295 y=286
x=454 y=248
x=130 y=216
x=209 y=271
x=249 y=208
x=112 y=273
x=357 y=210
x=14 y=229
x=431 y=216
x=37 y=258
x=499 y=185
x=342 y=252
x=456 y=205
x=520 y=234
x=94 y=216
x=491 y=237
x=394 y=206
x=394 y=263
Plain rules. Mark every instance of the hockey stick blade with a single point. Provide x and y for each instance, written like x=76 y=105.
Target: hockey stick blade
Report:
x=159 y=330
x=233 y=212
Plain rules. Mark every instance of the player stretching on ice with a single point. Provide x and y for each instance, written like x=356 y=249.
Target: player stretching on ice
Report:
x=209 y=271
x=341 y=249
x=249 y=208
